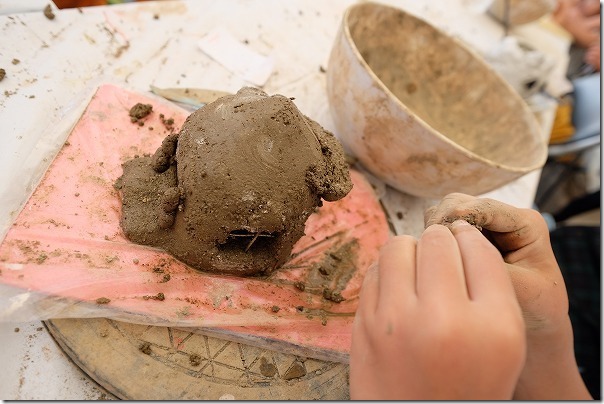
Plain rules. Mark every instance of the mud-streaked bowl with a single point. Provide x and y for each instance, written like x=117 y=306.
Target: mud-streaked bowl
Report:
x=422 y=111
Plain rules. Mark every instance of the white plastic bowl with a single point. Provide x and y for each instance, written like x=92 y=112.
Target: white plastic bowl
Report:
x=423 y=112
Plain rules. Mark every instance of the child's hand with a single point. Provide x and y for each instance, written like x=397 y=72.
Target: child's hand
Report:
x=437 y=319
x=522 y=237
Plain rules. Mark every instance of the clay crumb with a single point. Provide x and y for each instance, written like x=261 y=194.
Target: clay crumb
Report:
x=17 y=329
x=156 y=16
x=110 y=260
x=275 y=309
x=267 y=369
x=194 y=360
x=300 y=286
x=15 y=61
x=48 y=12
x=168 y=122
x=332 y=295
x=322 y=69
x=145 y=348
x=471 y=218
x=399 y=215
x=160 y=296
x=41 y=258
x=102 y=300
x=139 y=111
x=165 y=278
x=2 y=74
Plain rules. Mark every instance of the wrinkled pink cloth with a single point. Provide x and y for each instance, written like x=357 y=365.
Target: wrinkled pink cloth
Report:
x=66 y=256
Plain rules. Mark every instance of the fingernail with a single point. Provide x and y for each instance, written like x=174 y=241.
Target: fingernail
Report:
x=433 y=227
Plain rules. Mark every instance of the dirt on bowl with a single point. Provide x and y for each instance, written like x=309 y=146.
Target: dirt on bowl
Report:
x=422 y=111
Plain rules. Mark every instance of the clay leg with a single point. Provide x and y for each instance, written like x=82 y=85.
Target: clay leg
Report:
x=164 y=155
x=168 y=205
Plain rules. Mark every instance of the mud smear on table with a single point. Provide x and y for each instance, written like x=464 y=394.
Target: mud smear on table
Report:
x=232 y=191
x=48 y=12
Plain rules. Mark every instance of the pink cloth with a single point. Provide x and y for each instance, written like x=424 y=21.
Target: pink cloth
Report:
x=66 y=248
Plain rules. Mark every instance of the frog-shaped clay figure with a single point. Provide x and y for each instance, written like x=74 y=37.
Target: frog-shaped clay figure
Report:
x=232 y=191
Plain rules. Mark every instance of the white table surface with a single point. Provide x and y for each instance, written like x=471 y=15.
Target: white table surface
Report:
x=61 y=62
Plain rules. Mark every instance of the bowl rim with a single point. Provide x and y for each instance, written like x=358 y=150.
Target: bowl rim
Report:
x=469 y=153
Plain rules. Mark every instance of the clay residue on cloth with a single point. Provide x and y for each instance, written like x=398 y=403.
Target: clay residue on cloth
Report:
x=232 y=191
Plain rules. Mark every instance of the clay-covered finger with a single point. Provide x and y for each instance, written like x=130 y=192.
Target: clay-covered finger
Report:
x=397 y=270
x=484 y=268
x=428 y=213
x=440 y=274
x=435 y=214
x=486 y=213
x=518 y=234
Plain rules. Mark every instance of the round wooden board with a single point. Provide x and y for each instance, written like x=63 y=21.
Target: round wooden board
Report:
x=141 y=362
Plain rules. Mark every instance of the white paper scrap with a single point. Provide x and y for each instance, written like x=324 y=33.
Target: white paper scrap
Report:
x=223 y=47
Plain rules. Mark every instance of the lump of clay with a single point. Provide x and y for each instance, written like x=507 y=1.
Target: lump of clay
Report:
x=232 y=191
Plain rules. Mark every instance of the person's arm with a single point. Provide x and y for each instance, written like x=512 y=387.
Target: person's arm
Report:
x=522 y=237
x=437 y=319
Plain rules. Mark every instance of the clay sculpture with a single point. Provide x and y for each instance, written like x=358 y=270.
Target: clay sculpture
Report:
x=231 y=192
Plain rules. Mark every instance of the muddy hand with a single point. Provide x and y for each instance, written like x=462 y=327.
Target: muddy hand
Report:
x=437 y=319
x=522 y=238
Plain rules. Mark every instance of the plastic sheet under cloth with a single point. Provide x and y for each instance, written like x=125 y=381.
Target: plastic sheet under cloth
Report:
x=66 y=256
